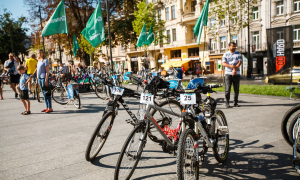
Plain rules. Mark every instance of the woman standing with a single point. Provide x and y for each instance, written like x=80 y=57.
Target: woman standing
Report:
x=43 y=79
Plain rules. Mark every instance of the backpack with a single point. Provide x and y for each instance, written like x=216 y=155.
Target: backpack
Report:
x=159 y=83
x=11 y=65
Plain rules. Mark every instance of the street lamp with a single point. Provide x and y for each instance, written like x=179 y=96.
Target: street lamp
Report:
x=249 y=69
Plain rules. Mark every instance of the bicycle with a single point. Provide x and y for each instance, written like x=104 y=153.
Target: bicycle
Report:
x=138 y=137
x=35 y=90
x=103 y=129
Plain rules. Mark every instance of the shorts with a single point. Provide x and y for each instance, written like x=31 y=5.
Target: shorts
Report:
x=14 y=78
x=24 y=94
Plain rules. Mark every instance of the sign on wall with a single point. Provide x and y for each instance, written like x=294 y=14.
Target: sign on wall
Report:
x=280 y=46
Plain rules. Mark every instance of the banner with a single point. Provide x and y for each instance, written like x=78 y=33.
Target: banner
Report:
x=75 y=45
x=94 y=31
x=143 y=37
x=280 y=47
x=57 y=24
x=202 y=21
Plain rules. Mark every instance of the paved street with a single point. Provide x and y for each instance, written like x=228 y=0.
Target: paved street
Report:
x=52 y=146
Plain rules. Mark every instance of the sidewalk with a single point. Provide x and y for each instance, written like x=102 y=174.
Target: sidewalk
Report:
x=52 y=146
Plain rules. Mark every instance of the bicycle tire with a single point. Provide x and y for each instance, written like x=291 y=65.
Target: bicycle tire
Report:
x=183 y=155
x=59 y=89
x=284 y=123
x=37 y=90
x=88 y=155
x=100 y=91
x=33 y=90
x=222 y=158
x=296 y=152
x=153 y=134
x=291 y=131
x=79 y=103
x=140 y=129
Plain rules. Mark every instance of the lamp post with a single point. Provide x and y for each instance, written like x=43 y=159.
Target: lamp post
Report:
x=249 y=69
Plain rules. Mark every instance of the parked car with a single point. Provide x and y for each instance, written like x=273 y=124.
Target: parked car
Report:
x=284 y=77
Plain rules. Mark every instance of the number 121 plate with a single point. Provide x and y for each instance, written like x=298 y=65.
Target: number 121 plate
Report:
x=146 y=99
x=188 y=98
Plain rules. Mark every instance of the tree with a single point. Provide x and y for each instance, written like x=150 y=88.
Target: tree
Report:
x=146 y=13
x=233 y=12
x=10 y=27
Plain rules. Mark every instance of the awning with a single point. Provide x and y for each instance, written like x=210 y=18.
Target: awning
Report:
x=175 y=63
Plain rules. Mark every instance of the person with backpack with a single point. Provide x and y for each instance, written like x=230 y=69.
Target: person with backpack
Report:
x=11 y=66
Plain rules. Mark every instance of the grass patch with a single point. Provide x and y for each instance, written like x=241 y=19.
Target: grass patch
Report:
x=271 y=90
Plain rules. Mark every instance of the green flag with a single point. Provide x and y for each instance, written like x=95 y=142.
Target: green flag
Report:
x=202 y=21
x=94 y=31
x=150 y=37
x=143 y=37
x=75 y=45
x=57 y=24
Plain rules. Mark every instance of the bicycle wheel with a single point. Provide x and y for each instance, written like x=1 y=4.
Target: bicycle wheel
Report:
x=295 y=123
x=284 y=123
x=76 y=101
x=131 y=152
x=99 y=136
x=221 y=147
x=100 y=91
x=296 y=152
x=60 y=96
x=187 y=163
x=33 y=90
x=164 y=119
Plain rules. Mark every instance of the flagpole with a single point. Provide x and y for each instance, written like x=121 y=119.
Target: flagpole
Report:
x=108 y=23
x=41 y=27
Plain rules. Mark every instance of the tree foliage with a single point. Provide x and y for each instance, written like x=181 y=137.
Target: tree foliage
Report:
x=10 y=26
x=78 y=13
x=234 y=12
x=146 y=13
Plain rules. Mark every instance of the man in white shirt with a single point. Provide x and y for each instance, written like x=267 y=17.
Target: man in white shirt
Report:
x=232 y=61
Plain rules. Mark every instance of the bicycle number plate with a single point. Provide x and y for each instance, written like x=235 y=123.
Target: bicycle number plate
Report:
x=70 y=91
x=188 y=98
x=117 y=91
x=146 y=99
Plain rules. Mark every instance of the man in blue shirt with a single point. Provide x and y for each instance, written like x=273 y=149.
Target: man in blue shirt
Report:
x=232 y=61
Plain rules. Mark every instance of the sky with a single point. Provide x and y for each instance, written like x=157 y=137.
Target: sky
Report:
x=17 y=8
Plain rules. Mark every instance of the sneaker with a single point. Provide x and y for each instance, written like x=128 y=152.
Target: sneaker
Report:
x=16 y=95
x=1 y=98
x=227 y=105
x=236 y=105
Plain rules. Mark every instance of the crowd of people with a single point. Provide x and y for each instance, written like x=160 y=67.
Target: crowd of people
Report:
x=20 y=77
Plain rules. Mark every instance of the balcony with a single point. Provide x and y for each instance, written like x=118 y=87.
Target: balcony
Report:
x=191 y=41
x=296 y=44
x=188 y=16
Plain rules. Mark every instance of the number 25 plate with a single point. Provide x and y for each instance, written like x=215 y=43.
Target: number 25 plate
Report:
x=146 y=99
x=117 y=91
x=188 y=98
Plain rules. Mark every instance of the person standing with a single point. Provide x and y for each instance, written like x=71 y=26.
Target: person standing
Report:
x=31 y=65
x=43 y=79
x=11 y=66
x=232 y=60
x=23 y=86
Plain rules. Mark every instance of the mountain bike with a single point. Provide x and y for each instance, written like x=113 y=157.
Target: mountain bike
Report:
x=137 y=139
x=104 y=127
x=290 y=116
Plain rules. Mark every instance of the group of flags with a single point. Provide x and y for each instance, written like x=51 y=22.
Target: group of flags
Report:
x=94 y=31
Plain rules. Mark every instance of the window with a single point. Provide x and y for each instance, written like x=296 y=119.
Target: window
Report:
x=296 y=5
x=212 y=45
x=193 y=6
x=279 y=8
x=176 y=54
x=113 y=50
x=255 y=13
x=167 y=14
x=174 y=35
x=194 y=36
x=233 y=18
x=194 y=52
x=173 y=12
x=168 y=36
x=122 y=48
x=222 y=23
x=223 y=42
x=255 y=39
x=159 y=14
x=297 y=33
x=212 y=22
x=235 y=39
